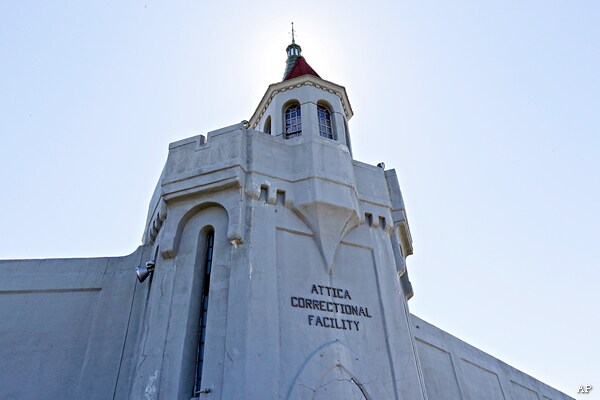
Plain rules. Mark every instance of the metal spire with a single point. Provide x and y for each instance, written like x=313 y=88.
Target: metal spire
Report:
x=293 y=41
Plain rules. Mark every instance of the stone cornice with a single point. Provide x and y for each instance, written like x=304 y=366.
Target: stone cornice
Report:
x=303 y=80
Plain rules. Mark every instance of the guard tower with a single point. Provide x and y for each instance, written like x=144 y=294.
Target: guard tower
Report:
x=281 y=267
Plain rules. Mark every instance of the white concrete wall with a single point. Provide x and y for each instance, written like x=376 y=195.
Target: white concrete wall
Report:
x=63 y=326
x=455 y=370
x=295 y=221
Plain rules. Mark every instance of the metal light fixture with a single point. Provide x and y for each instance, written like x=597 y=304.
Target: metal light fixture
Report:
x=144 y=272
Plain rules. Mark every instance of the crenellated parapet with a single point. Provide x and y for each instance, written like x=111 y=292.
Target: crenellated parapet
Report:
x=315 y=177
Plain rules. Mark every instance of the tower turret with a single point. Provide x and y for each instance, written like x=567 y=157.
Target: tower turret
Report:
x=281 y=263
x=304 y=105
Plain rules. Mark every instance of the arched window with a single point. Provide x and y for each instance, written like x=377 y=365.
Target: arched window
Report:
x=267 y=128
x=208 y=258
x=324 y=116
x=293 y=122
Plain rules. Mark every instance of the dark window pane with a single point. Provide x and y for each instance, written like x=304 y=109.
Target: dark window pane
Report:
x=324 y=119
x=204 y=312
x=293 y=122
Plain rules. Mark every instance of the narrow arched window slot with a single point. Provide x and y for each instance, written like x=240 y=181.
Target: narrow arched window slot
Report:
x=293 y=121
x=208 y=259
x=267 y=127
x=324 y=117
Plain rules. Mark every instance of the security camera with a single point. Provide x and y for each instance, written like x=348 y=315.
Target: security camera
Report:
x=144 y=272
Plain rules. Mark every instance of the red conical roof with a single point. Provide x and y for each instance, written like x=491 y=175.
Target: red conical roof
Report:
x=300 y=68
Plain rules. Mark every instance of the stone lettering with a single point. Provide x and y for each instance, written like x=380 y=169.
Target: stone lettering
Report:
x=333 y=323
x=331 y=307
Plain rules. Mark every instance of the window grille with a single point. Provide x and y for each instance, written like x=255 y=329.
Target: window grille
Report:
x=324 y=117
x=210 y=240
x=293 y=122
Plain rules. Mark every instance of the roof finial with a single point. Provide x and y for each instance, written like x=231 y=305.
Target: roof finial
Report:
x=293 y=51
x=293 y=41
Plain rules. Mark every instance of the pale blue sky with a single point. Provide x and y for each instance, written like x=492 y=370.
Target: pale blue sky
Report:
x=489 y=112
